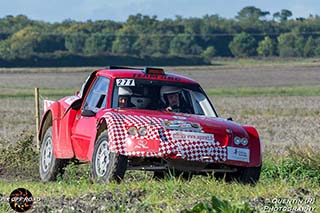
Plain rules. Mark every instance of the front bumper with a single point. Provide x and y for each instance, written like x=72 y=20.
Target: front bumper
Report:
x=200 y=151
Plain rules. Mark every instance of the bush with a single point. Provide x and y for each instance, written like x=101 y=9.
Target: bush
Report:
x=301 y=163
x=21 y=159
x=209 y=53
x=266 y=47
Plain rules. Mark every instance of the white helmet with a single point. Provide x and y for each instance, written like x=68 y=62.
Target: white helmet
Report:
x=165 y=90
x=124 y=91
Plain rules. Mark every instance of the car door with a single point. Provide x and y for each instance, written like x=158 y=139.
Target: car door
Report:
x=84 y=128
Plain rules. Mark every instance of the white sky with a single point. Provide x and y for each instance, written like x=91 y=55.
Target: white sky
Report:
x=119 y=10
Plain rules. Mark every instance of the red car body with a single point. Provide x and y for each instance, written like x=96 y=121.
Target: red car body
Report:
x=202 y=143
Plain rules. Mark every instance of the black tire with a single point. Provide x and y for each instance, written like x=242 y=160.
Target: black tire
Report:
x=246 y=175
x=49 y=166
x=112 y=167
x=159 y=175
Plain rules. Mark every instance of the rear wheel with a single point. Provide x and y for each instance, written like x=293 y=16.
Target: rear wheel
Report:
x=105 y=164
x=49 y=166
x=245 y=175
x=249 y=175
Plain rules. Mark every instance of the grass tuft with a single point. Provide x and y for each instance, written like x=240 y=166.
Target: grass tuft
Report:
x=20 y=159
x=300 y=164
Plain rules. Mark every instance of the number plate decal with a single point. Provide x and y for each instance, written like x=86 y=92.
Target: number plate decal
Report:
x=238 y=154
x=124 y=82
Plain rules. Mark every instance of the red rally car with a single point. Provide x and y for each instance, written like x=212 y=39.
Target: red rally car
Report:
x=145 y=119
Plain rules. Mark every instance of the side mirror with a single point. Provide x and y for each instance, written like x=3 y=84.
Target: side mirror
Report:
x=76 y=104
x=88 y=113
x=77 y=93
x=229 y=119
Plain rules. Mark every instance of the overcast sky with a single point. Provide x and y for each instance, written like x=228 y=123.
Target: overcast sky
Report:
x=119 y=10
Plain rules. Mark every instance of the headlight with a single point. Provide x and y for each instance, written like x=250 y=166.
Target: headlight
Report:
x=237 y=140
x=244 y=141
x=132 y=131
x=142 y=131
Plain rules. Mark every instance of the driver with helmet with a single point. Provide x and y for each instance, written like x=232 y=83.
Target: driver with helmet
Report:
x=170 y=96
x=124 y=95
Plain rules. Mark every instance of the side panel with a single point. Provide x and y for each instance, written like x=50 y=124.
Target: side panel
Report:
x=55 y=110
x=83 y=132
x=61 y=126
x=63 y=146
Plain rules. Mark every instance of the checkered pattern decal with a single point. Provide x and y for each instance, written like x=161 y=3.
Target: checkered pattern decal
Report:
x=117 y=125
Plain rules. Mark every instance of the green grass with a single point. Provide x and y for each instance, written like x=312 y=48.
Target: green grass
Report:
x=292 y=175
x=173 y=194
x=29 y=92
x=265 y=91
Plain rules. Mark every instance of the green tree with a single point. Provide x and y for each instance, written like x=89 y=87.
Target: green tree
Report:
x=5 y=50
x=50 y=43
x=209 y=52
x=75 y=42
x=283 y=15
x=98 y=43
x=243 y=45
x=251 y=14
x=317 y=47
x=12 y=24
x=290 y=45
x=21 y=44
x=309 y=47
x=124 y=41
x=266 y=47
x=184 y=44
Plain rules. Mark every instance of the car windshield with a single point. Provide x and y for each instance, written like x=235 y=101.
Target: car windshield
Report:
x=161 y=96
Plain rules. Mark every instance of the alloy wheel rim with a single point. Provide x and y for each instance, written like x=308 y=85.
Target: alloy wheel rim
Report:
x=102 y=159
x=47 y=154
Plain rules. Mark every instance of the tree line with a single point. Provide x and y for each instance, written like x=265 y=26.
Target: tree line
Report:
x=253 y=32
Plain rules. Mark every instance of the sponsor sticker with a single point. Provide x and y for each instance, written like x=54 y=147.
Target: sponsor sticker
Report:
x=192 y=136
x=179 y=117
x=125 y=82
x=238 y=154
x=142 y=145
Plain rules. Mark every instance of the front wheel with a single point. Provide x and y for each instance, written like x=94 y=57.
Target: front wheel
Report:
x=49 y=166
x=105 y=164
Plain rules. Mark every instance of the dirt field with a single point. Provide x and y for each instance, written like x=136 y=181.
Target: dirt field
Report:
x=208 y=76
x=279 y=120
